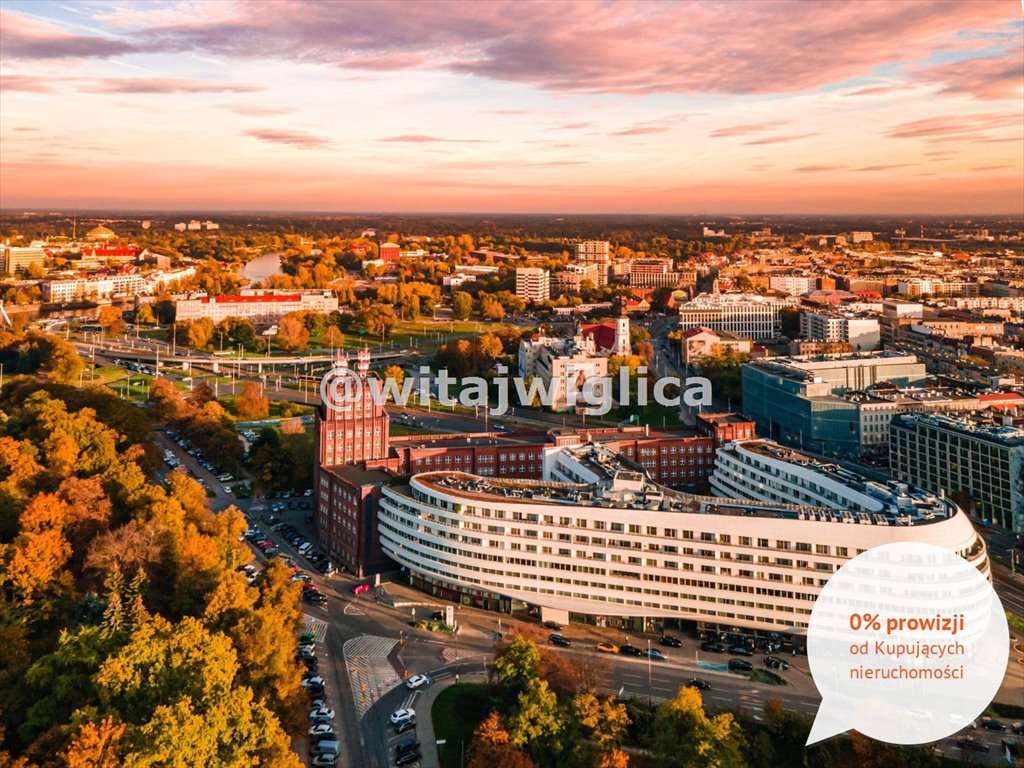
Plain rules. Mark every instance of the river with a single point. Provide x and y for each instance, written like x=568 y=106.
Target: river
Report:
x=263 y=267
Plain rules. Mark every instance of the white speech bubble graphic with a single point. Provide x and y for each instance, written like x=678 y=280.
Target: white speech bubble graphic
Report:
x=907 y=643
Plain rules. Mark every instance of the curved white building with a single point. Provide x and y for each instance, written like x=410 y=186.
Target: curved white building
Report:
x=627 y=548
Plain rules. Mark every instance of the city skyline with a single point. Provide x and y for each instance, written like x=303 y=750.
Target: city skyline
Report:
x=688 y=108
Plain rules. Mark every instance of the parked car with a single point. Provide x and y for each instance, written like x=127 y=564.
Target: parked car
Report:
x=672 y=642
x=417 y=681
x=630 y=650
x=774 y=662
x=552 y=625
x=741 y=650
x=991 y=724
x=712 y=647
x=402 y=714
x=740 y=665
x=322 y=712
x=319 y=730
x=328 y=758
x=655 y=654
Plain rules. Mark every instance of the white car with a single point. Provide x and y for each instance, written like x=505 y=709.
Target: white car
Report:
x=319 y=730
x=402 y=714
x=322 y=712
x=327 y=759
x=417 y=681
x=311 y=681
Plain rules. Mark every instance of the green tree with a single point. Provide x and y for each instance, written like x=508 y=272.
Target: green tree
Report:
x=685 y=737
x=462 y=305
x=537 y=721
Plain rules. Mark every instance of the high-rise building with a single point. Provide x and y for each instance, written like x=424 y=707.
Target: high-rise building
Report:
x=595 y=252
x=968 y=457
x=15 y=260
x=533 y=284
x=350 y=430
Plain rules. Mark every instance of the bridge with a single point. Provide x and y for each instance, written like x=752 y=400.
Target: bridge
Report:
x=189 y=359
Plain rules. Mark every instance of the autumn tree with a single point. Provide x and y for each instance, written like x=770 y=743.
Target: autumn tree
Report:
x=686 y=737
x=144 y=315
x=492 y=747
x=292 y=333
x=333 y=337
x=253 y=404
x=110 y=319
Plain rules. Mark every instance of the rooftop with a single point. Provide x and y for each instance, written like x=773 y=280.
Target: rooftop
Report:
x=627 y=492
x=899 y=503
x=980 y=426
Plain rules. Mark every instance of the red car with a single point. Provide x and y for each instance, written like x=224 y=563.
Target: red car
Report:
x=358 y=589
x=265 y=544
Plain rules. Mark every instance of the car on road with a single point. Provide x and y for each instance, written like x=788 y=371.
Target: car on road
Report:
x=417 y=681
x=774 y=662
x=322 y=712
x=700 y=685
x=654 y=653
x=712 y=647
x=972 y=745
x=407 y=751
x=556 y=639
x=991 y=724
x=740 y=665
x=741 y=650
x=607 y=647
x=630 y=650
x=402 y=714
x=672 y=642
x=358 y=589
x=552 y=625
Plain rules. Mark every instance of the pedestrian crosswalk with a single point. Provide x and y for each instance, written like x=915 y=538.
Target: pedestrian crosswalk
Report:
x=318 y=627
x=370 y=673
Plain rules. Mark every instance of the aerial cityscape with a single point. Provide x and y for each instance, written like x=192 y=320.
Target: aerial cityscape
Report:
x=497 y=385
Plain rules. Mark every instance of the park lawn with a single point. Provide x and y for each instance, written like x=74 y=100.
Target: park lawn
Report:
x=278 y=408
x=457 y=711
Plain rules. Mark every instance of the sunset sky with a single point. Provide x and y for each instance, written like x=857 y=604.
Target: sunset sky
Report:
x=688 y=107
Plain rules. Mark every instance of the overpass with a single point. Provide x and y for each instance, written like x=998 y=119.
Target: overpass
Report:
x=189 y=359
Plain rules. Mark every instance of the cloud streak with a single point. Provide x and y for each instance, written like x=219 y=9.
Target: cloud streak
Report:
x=300 y=139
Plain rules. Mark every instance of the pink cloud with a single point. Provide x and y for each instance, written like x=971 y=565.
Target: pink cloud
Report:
x=876 y=90
x=949 y=127
x=26 y=38
x=781 y=139
x=417 y=138
x=255 y=110
x=26 y=83
x=300 y=139
x=38 y=84
x=798 y=45
x=165 y=85
x=743 y=130
x=818 y=168
x=991 y=78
